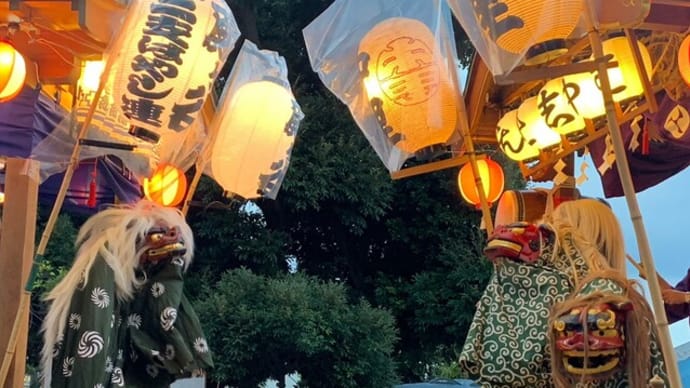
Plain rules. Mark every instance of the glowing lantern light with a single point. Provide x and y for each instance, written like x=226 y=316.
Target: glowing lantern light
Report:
x=684 y=60
x=407 y=84
x=91 y=76
x=556 y=103
x=625 y=80
x=535 y=130
x=167 y=186
x=492 y=178
x=518 y=25
x=12 y=72
x=255 y=136
x=588 y=101
x=165 y=61
x=511 y=139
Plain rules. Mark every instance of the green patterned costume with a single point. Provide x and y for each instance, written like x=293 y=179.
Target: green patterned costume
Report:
x=507 y=344
x=150 y=341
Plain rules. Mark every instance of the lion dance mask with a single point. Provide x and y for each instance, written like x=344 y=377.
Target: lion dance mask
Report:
x=604 y=335
x=119 y=317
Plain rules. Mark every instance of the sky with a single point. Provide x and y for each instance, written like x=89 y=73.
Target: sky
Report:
x=665 y=211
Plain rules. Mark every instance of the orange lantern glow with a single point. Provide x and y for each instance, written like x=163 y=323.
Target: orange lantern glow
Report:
x=492 y=178
x=535 y=129
x=684 y=60
x=407 y=84
x=167 y=186
x=511 y=139
x=625 y=80
x=12 y=72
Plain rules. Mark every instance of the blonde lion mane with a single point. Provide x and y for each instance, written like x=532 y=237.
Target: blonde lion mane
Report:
x=112 y=235
x=593 y=229
x=638 y=329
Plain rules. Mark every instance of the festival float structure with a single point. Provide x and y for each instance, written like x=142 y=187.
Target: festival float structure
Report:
x=550 y=78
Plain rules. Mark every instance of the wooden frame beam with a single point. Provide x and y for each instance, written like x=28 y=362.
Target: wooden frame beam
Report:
x=433 y=166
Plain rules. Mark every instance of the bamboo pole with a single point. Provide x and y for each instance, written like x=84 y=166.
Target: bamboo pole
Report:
x=633 y=207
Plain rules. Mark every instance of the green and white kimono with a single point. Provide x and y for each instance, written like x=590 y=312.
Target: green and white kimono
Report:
x=507 y=344
x=149 y=341
x=91 y=350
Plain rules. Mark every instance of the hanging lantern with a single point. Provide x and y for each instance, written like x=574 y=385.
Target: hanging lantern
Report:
x=535 y=130
x=167 y=186
x=587 y=99
x=625 y=80
x=12 y=72
x=684 y=60
x=165 y=62
x=407 y=84
x=556 y=103
x=492 y=178
x=509 y=134
x=538 y=26
x=255 y=136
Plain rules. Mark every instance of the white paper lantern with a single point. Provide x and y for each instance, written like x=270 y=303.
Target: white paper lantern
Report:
x=556 y=103
x=167 y=59
x=626 y=82
x=535 y=130
x=256 y=131
x=511 y=140
x=407 y=84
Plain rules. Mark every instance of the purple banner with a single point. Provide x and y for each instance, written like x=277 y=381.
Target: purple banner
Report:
x=17 y=124
x=657 y=147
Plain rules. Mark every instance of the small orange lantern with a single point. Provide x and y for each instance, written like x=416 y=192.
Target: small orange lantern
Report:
x=12 y=72
x=492 y=178
x=167 y=186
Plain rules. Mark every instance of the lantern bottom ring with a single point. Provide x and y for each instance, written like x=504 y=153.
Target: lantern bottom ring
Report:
x=545 y=51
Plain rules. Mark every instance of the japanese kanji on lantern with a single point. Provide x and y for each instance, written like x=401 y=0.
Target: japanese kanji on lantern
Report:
x=507 y=33
x=394 y=64
x=167 y=61
x=254 y=127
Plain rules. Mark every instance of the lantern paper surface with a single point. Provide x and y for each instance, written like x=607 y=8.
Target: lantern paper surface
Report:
x=393 y=63
x=169 y=50
x=503 y=31
x=511 y=140
x=167 y=186
x=625 y=81
x=556 y=103
x=492 y=178
x=255 y=125
x=587 y=99
x=12 y=72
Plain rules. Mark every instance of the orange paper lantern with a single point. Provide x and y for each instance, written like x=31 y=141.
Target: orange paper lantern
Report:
x=167 y=186
x=492 y=178
x=407 y=84
x=12 y=72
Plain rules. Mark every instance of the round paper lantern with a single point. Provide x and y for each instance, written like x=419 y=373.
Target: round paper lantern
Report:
x=12 y=72
x=167 y=186
x=407 y=84
x=587 y=99
x=492 y=178
x=684 y=60
x=535 y=130
x=253 y=142
x=625 y=80
x=556 y=103
x=511 y=139
x=518 y=25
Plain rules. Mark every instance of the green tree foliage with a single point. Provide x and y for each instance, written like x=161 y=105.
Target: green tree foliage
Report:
x=269 y=327
x=411 y=246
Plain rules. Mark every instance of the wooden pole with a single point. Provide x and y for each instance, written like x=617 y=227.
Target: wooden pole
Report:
x=626 y=182
x=207 y=115
x=16 y=254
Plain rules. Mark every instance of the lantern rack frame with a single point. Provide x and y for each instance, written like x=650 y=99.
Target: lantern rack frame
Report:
x=548 y=158
x=434 y=166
